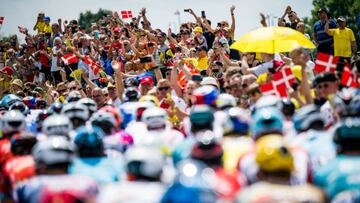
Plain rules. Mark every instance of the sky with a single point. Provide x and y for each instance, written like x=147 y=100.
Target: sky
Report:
x=159 y=12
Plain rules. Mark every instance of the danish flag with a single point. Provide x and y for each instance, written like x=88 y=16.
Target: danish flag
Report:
x=325 y=63
x=182 y=78
x=126 y=14
x=1 y=20
x=349 y=78
x=22 y=30
x=95 y=67
x=69 y=59
x=282 y=81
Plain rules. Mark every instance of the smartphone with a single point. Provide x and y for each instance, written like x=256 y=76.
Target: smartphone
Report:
x=203 y=14
x=48 y=34
x=196 y=78
x=96 y=34
x=150 y=44
x=295 y=86
x=186 y=10
x=146 y=59
x=218 y=24
x=73 y=29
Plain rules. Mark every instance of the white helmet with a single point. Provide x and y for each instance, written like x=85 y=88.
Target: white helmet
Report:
x=225 y=101
x=268 y=100
x=91 y=105
x=76 y=110
x=154 y=117
x=13 y=121
x=104 y=120
x=57 y=124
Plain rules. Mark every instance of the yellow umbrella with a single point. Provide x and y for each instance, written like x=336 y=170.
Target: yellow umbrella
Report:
x=272 y=40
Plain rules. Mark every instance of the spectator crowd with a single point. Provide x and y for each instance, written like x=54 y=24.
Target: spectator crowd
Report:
x=125 y=112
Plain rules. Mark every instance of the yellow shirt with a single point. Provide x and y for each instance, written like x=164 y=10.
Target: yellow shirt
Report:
x=342 y=41
x=40 y=27
x=199 y=63
x=47 y=29
x=202 y=63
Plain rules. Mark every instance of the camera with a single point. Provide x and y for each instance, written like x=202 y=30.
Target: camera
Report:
x=146 y=59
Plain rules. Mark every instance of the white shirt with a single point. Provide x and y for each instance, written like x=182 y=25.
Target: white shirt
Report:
x=54 y=59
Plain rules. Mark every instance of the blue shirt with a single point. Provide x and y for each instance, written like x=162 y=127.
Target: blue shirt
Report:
x=322 y=37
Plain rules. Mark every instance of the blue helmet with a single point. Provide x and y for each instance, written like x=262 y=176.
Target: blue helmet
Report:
x=267 y=120
x=88 y=141
x=192 y=184
x=206 y=95
x=8 y=100
x=238 y=121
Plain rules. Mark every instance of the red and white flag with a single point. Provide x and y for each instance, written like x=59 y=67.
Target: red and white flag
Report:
x=1 y=20
x=284 y=77
x=349 y=78
x=181 y=76
x=22 y=30
x=325 y=63
x=126 y=14
x=95 y=67
x=282 y=81
x=69 y=59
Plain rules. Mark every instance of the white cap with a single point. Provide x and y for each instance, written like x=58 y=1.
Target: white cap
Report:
x=209 y=81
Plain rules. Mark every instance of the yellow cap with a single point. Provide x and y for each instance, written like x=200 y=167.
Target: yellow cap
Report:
x=272 y=155
x=198 y=29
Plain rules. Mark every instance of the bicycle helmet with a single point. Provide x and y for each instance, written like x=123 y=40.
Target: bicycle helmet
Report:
x=55 y=150
x=201 y=118
x=8 y=100
x=154 y=118
x=55 y=108
x=225 y=101
x=12 y=121
x=131 y=94
x=20 y=106
x=272 y=155
x=22 y=143
x=308 y=117
x=144 y=163
x=347 y=102
x=90 y=104
x=104 y=120
x=77 y=113
x=88 y=141
x=267 y=120
x=347 y=136
x=206 y=95
x=57 y=124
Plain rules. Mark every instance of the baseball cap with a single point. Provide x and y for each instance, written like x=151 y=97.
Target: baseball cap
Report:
x=147 y=80
x=209 y=81
x=324 y=77
x=7 y=70
x=161 y=34
x=341 y=19
x=200 y=48
x=47 y=18
x=198 y=29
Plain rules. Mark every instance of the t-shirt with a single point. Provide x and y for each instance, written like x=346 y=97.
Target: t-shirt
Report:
x=40 y=27
x=202 y=63
x=325 y=41
x=54 y=59
x=342 y=41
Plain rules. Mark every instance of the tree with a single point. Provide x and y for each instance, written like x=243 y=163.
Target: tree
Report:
x=88 y=17
x=349 y=9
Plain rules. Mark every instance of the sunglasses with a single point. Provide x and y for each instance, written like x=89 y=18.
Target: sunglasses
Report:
x=323 y=86
x=163 y=88
x=73 y=88
x=227 y=87
x=107 y=94
x=62 y=91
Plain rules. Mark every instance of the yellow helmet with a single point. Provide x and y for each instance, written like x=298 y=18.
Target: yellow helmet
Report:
x=272 y=155
x=149 y=98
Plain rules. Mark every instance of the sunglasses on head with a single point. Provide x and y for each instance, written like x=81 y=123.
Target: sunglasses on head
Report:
x=73 y=88
x=163 y=88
